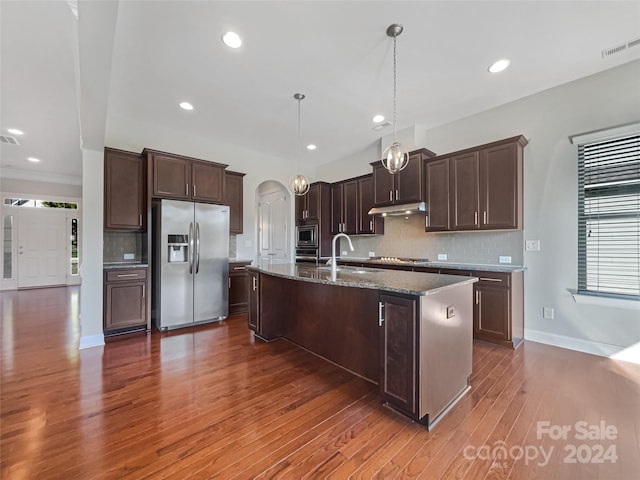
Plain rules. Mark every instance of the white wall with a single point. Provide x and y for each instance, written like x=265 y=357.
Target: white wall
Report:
x=547 y=119
x=91 y=262
x=52 y=191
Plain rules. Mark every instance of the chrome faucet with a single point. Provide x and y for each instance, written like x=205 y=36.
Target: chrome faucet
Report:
x=333 y=253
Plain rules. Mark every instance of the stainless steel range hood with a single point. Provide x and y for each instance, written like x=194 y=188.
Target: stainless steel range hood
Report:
x=399 y=210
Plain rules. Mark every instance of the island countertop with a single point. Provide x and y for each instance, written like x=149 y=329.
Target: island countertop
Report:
x=410 y=283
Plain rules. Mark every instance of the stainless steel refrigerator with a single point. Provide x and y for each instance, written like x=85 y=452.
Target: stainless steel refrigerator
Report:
x=190 y=263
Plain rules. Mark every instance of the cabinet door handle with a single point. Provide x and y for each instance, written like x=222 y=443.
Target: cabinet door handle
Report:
x=426 y=222
x=484 y=217
x=143 y=290
x=194 y=190
x=486 y=279
x=255 y=283
x=186 y=186
x=397 y=196
x=380 y=318
x=391 y=195
x=140 y=220
x=371 y=225
x=229 y=282
x=477 y=297
x=475 y=218
x=124 y=275
x=239 y=268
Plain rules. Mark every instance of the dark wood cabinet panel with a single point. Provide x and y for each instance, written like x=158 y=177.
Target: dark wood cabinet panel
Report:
x=309 y=206
x=233 y=194
x=367 y=223
x=383 y=185
x=491 y=315
x=238 y=288
x=124 y=191
x=398 y=352
x=344 y=207
x=125 y=301
x=313 y=201
x=336 y=208
x=500 y=177
x=207 y=182
x=254 y=301
x=437 y=195
x=465 y=195
x=408 y=183
x=171 y=177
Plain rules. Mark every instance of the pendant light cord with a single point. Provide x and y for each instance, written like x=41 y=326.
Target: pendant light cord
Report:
x=395 y=131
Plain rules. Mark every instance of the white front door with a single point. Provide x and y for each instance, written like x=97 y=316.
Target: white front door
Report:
x=273 y=228
x=42 y=247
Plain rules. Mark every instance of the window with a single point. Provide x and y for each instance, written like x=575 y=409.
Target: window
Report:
x=609 y=217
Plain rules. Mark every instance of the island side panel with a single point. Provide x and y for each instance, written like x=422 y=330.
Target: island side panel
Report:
x=446 y=346
x=336 y=322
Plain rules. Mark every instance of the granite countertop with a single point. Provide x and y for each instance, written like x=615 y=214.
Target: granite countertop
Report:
x=411 y=283
x=115 y=265
x=483 y=267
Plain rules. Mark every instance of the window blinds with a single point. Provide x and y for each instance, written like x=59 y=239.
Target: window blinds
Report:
x=609 y=217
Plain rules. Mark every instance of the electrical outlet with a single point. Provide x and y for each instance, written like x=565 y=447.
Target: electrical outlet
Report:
x=442 y=256
x=129 y=256
x=451 y=311
x=344 y=253
x=372 y=254
x=505 y=259
x=532 y=245
x=548 y=312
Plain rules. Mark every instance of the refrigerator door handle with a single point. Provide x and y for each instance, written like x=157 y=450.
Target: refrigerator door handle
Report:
x=197 y=247
x=191 y=248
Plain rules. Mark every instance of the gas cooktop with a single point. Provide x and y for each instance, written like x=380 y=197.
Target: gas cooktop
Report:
x=396 y=260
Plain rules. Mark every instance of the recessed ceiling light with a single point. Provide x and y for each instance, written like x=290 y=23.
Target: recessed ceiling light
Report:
x=311 y=147
x=378 y=118
x=232 y=40
x=15 y=131
x=499 y=66
x=186 y=106
x=33 y=159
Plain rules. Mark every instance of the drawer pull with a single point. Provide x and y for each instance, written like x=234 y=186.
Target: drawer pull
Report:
x=485 y=279
x=123 y=275
x=239 y=268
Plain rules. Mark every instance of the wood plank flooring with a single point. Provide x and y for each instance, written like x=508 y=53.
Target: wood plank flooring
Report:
x=212 y=402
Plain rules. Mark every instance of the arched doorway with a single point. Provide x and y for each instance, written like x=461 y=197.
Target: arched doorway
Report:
x=273 y=217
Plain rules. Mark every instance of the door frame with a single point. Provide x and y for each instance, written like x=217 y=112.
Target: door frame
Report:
x=12 y=283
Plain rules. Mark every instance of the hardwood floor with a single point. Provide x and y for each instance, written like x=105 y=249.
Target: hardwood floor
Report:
x=211 y=402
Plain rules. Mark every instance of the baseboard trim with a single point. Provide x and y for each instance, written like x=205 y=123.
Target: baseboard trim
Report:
x=91 y=341
x=628 y=354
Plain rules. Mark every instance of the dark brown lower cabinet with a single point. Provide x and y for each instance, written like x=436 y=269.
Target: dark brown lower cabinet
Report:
x=238 y=287
x=398 y=352
x=254 y=301
x=125 y=301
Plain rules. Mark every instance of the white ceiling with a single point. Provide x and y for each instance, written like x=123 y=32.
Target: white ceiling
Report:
x=139 y=59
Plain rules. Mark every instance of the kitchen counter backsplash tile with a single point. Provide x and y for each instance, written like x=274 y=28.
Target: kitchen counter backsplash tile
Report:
x=232 y=246
x=116 y=244
x=405 y=237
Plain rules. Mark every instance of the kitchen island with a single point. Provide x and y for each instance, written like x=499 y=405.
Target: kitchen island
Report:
x=408 y=332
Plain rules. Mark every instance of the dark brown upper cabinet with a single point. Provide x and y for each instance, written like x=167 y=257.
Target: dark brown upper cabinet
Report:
x=124 y=191
x=344 y=207
x=185 y=178
x=233 y=183
x=437 y=195
x=309 y=205
x=484 y=188
x=404 y=186
x=367 y=224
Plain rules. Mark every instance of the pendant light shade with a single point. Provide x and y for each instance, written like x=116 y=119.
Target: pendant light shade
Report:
x=395 y=157
x=299 y=184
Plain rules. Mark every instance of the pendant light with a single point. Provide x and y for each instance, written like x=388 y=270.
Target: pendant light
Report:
x=299 y=184
x=394 y=157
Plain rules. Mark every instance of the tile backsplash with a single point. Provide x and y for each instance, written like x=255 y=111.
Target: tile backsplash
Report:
x=116 y=244
x=405 y=237
x=232 y=246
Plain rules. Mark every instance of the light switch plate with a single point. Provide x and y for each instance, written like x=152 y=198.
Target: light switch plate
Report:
x=505 y=259
x=129 y=256
x=442 y=256
x=532 y=245
x=451 y=311
x=548 y=312
x=372 y=254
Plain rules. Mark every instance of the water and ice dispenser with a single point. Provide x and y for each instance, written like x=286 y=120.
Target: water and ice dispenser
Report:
x=178 y=248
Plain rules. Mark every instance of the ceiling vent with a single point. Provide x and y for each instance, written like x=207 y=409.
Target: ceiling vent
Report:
x=382 y=125
x=9 y=139
x=607 y=52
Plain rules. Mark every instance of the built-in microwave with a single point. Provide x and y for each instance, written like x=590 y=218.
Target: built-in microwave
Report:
x=307 y=236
